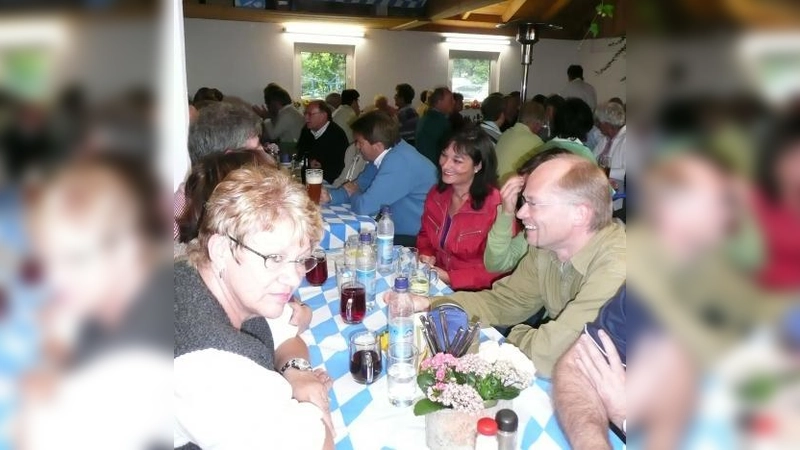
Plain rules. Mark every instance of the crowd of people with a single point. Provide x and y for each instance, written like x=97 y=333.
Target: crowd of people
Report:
x=517 y=214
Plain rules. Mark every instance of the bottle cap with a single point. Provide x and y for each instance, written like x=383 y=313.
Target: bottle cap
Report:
x=487 y=426
x=365 y=237
x=506 y=420
x=401 y=283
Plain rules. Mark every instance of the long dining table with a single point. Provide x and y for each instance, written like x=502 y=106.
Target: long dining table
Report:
x=340 y=222
x=362 y=416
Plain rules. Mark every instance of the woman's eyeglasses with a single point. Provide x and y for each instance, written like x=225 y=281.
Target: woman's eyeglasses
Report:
x=271 y=262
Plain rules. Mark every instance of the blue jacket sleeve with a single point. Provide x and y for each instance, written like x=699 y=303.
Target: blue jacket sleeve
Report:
x=388 y=185
x=339 y=196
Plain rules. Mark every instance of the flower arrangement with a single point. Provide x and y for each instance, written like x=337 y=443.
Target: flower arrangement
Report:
x=496 y=372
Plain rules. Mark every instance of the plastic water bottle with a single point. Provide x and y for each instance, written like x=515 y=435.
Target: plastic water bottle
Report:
x=401 y=314
x=365 y=267
x=385 y=241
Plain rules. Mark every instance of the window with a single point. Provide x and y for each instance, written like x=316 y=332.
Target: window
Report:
x=473 y=74
x=322 y=69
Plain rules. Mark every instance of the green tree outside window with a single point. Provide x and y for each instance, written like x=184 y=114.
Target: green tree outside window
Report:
x=321 y=74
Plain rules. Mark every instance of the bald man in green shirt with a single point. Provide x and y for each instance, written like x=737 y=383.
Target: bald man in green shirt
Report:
x=575 y=262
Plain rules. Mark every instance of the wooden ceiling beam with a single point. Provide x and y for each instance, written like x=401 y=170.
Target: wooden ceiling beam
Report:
x=465 y=24
x=511 y=9
x=197 y=11
x=465 y=16
x=554 y=9
x=410 y=25
x=443 y=9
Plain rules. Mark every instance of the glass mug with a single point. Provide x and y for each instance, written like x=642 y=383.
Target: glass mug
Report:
x=344 y=273
x=406 y=262
x=314 y=184
x=353 y=302
x=424 y=276
x=318 y=275
x=365 y=357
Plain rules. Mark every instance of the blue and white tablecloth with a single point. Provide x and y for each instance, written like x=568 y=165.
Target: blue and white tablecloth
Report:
x=340 y=223
x=362 y=415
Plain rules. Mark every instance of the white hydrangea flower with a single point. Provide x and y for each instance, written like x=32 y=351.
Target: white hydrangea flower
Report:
x=512 y=354
x=489 y=351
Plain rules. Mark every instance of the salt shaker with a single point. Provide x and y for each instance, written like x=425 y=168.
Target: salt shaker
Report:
x=487 y=434
x=507 y=422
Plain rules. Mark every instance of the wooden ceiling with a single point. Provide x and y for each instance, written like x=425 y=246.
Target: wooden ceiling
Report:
x=461 y=16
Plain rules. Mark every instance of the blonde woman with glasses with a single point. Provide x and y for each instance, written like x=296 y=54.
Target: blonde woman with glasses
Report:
x=232 y=388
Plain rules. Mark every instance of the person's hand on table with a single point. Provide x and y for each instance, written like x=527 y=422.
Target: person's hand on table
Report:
x=607 y=377
x=324 y=197
x=314 y=164
x=427 y=259
x=421 y=302
x=510 y=194
x=301 y=315
x=261 y=110
x=443 y=275
x=351 y=187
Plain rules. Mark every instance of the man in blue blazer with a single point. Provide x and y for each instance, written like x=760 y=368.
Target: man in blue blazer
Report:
x=397 y=175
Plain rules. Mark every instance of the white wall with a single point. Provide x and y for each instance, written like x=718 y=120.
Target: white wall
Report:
x=240 y=58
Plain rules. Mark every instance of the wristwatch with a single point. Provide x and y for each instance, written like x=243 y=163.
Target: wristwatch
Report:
x=296 y=363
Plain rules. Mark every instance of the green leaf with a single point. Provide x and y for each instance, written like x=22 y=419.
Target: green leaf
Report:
x=608 y=11
x=594 y=29
x=426 y=406
x=426 y=380
x=599 y=8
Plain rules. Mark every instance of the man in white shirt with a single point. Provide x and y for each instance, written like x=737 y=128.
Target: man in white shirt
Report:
x=347 y=112
x=610 y=148
x=579 y=88
x=286 y=121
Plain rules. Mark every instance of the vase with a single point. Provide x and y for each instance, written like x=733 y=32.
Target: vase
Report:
x=448 y=429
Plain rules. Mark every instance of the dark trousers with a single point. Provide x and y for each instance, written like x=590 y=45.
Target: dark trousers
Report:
x=405 y=240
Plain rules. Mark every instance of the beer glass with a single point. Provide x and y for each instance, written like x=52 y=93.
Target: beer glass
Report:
x=314 y=184
x=424 y=276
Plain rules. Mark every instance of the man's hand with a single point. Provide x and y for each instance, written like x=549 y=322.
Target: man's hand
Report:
x=351 y=187
x=261 y=110
x=607 y=378
x=510 y=194
x=421 y=303
x=301 y=315
x=324 y=197
x=314 y=164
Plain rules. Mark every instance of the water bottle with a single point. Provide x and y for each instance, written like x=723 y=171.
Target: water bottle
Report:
x=385 y=241
x=401 y=314
x=365 y=267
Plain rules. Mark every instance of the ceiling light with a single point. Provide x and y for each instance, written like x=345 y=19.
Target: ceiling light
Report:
x=324 y=29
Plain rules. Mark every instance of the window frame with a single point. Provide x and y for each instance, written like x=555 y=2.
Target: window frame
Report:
x=350 y=66
x=494 y=66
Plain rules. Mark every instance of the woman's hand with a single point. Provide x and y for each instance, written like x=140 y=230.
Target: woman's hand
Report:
x=301 y=315
x=510 y=194
x=443 y=275
x=309 y=386
x=324 y=197
x=427 y=259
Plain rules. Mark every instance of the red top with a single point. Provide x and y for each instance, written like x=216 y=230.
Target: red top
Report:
x=780 y=229
x=487 y=426
x=465 y=240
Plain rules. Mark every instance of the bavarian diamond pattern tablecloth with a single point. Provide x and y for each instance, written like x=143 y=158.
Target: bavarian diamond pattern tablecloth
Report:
x=340 y=223
x=362 y=415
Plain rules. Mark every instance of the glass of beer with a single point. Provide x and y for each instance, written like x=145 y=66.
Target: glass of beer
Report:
x=318 y=275
x=424 y=276
x=365 y=357
x=353 y=302
x=314 y=184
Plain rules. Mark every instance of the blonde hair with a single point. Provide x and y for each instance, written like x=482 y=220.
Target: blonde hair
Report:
x=586 y=182
x=253 y=199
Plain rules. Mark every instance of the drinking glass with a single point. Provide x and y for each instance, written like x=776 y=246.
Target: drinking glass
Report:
x=351 y=250
x=402 y=372
x=318 y=275
x=314 y=184
x=406 y=262
x=344 y=273
x=365 y=357
x=423 y=277
x=353 y=302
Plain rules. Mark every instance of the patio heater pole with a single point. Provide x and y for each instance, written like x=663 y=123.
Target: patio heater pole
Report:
x=527 y=35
